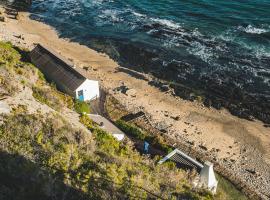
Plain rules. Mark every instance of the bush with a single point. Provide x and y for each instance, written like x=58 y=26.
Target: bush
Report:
x=131 y=130
x=51 y=97
x=45 y=157
x=87 y=122
x=136 y=132
x=8 y=55
x=82 y=107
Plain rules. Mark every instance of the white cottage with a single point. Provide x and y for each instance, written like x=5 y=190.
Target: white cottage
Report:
x=66 y=77
x=88 y=90
x=107 y=126
x=207 y=177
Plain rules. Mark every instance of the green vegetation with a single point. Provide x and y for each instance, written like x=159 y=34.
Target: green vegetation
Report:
x=8 y=55
x=50 y=96
x=82 y=107
x=52 y=159
x=45 y=157
x=226 y=190
x=136 y=132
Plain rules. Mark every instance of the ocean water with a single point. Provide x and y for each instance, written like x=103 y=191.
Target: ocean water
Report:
x=219 y=50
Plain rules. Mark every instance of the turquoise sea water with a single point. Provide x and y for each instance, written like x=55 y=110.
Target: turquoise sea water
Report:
x=217 y=47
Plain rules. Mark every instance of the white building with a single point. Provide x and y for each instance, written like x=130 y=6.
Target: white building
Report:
x=88 y=90
x=207 y=177
x=107 y=126
x=66 y=77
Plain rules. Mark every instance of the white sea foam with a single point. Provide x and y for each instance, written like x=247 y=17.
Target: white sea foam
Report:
x=138 y=14
x=253 y=30
x=201 y=51
x=112 y=15
x=166 y=22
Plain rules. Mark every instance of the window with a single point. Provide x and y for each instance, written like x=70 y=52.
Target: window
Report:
x=80 y=93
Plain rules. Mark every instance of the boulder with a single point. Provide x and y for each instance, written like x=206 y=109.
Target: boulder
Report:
x=203 y=147
x=131 y=92
x=176 y=118
x=3 y=18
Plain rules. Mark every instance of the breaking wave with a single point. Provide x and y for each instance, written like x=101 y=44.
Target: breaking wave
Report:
x=254 y=30
x=176 y=40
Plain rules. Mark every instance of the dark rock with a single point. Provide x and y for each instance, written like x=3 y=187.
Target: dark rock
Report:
x=3 y=19
x=252 y=171
x=203 y=147
x=177 y=118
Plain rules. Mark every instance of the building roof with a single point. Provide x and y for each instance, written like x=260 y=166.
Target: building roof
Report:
x=107 y=125
x=56 y=68
x=183 y=160
x=207 y=177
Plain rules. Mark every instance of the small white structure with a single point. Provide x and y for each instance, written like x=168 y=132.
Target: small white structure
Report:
x=181 y=159
x=107 y=126
x=207 y=178
x=61 y=71
x=88 y=90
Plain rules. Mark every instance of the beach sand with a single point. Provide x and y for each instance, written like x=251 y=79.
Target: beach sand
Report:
x=240 y=145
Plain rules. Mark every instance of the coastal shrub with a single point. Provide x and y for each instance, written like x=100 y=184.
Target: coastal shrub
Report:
x=7 y=83
x=82 y=107
x=87 y=122
x=136 y=132
x=8 y=55
x=51 y=97
x=46 y=157
x=44 y=153
x=226 y=190
x=131 y=130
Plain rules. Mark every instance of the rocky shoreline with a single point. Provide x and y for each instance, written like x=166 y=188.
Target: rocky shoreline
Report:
x=248 y=172
x=237 y=145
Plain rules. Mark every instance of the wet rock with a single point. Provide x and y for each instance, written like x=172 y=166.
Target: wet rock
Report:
x=165 y=88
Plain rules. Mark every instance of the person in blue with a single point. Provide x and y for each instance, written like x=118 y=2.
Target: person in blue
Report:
x=146 y=147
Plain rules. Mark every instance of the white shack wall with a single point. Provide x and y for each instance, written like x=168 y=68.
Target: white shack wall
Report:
x=90 y=89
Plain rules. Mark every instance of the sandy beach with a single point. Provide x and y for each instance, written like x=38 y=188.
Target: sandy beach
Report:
x=240 y=145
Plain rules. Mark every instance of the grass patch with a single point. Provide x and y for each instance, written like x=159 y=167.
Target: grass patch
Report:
x=45 y=157
x=226 y=190
x=139 y=134
x=46 y=152
x=51 y=97
x=8 y=55
x=82 y=107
